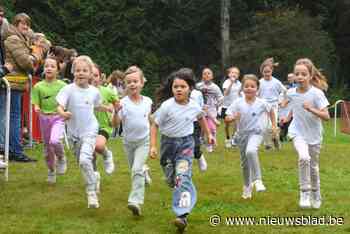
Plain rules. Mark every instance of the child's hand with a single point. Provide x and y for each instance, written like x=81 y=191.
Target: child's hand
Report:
x=236 y=116
x=117 y=107
x=9 y=66
x=153 y=152
x=275 y=131
x=37 y=109
x=110 y=109
x=210 y=139
x=307 y=105
x=66 y=115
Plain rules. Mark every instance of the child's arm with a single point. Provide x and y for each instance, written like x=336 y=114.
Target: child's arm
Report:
x=64 y=114
x=37 y=108
x=104 y=108
x=273 y=120
x=321 y=113
x=116 y=119
x=153 y=146
x=231 y=118
x=228 y=89
x=204 y=126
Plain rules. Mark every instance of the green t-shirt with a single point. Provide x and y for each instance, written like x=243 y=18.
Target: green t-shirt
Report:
x=104 y=118
x=44 y=95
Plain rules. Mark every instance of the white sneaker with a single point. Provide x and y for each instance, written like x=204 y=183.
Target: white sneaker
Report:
x=247 y=191
x=305 y=199
x=228 y=143
x=61 y=166
x=3 y=164
x=316 y=200
x=148 y=179
x=109 y=163
x=202 y=163
x=51 y=177
x=135 y=209
x=92 y=200
x=98 y=182
x=209 y=148
x=259 y=186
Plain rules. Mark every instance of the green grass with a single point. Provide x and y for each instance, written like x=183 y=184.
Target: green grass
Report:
x=29 y=205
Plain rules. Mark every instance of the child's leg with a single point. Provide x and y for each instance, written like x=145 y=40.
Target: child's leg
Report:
x=57 y=134
x=314 y=151
x=197 y=141
x=302 y=149
x=137 y=158
x=244 y=163
x=212 y=128
x=252 y=156
x=45 y=127
x=184 y=193
x=86 y=151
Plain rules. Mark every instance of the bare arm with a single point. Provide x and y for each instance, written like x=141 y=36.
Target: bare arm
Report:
x=321 y=113
x=64 y=114
x=153 y=140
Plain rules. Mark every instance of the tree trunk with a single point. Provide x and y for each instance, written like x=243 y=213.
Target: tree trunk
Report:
x=225 y=33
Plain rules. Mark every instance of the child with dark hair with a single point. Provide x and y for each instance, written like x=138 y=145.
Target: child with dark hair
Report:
x=177 y=143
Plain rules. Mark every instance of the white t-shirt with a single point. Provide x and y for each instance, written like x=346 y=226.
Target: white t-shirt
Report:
x=176 y=120
x=233 y=94
x=252 y=116
x=304 y=123
x=197 y=96
x=270 y=90
x=212 y=95
x=81 y=103
x=134 y=118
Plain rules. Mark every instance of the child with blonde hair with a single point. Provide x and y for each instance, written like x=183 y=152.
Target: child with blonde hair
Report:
x=308 y=105
x=232 y=87
x=270 y=90
x=77 y=103
x=248 y=112
x=134 y=112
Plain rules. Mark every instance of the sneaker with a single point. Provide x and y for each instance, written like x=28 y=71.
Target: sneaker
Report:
x=233 y=142
x=61 y=166
x=109 y=163
x=209 y=148
x=268 y=147
x=92 y=200
x=305 y=199
x=98 y=182
x=228 y=143
x=180 y=223
x=247 y=191
x=316 y=199
x=135 y=209
x=3 y=164
x=148 y=179
x=259 y=186
x=51 y=177
x=202 y=163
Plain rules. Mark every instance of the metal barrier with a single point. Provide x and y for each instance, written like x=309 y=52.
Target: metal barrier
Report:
x=7 y=127
x=335 y=116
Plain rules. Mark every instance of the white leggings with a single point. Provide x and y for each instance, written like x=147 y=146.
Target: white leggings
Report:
x=309 y=175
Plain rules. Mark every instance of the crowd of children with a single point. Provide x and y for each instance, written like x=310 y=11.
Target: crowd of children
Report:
x=89 y=111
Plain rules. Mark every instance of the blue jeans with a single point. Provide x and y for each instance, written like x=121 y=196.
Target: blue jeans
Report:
x=15 y=122
x=176 y=161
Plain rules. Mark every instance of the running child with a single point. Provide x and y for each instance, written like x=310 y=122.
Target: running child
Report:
x=77 y=103
x=175 y=119
x=249 y=112
x=213 y=98
x=134 y=113
x=231 y=87
x=51 y=123
x=308 y=106
x=270 y=90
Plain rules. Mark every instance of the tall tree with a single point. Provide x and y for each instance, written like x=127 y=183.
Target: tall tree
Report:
x=225 y=33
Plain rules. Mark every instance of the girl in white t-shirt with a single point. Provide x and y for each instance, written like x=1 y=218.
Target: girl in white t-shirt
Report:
x=134 y=112
x=270 y=90
x=249 y=111
x=175 y=119
x=232 y=87
x=308 y=107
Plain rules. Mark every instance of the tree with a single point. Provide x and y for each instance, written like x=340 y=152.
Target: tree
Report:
x=225 y=33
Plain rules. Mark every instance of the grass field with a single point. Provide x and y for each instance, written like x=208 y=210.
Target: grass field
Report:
x=29 y=205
